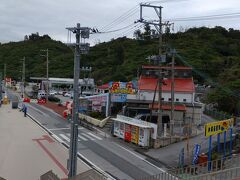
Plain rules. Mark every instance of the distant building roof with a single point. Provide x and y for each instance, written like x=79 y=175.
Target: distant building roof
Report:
x=85 y=81
x=166 y=67
x=181 y=84
x=104 y=86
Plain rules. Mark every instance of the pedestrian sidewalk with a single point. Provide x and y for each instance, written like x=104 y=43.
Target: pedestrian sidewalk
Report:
x=27 y=151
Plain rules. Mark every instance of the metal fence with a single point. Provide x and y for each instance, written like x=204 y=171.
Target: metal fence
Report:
x=204 y=168
x=221 y=169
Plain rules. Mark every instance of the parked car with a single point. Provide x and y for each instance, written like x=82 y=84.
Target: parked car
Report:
x=67 y=94
x=53 y=92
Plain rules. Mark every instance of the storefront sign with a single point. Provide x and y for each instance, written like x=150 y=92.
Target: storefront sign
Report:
x=122 y=87
x=218 y=127
x=118 y=98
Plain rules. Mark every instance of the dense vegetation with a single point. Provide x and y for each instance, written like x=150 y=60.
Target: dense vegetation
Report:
x=214 y=54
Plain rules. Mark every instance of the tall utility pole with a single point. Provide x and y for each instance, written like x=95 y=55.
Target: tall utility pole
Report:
x=0 y=87
x=161 y=56
x=81 y=32
x=158 y=26
x=172 y=91
x=47 y=69
x=5 y=73
x=23 y=77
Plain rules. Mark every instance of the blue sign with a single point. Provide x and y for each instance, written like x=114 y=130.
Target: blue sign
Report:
x=118 y=98
x=196 y=152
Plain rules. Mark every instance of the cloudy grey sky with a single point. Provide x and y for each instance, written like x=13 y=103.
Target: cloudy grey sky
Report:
x=23 y=17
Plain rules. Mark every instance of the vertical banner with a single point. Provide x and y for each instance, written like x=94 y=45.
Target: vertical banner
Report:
x=230 y=145
x=196 y=152
x=218 y=143
x=224 y=144
x=209 y=153
x=181 y=158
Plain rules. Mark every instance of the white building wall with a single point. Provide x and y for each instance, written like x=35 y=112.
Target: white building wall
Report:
x=148 y=96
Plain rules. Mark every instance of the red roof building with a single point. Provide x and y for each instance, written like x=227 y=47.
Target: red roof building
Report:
x=180 y=85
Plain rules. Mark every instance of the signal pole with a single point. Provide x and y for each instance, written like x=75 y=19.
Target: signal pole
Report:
x=47 y=69
x=80 y=48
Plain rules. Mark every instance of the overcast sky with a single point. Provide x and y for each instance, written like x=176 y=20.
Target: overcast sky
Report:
x=23 y=17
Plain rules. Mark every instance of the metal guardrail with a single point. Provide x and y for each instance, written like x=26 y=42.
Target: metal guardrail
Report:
x=216 y=165
x=218 y=171
x=227 y=174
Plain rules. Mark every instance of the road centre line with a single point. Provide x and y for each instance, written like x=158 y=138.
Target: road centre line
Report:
x=143 y=159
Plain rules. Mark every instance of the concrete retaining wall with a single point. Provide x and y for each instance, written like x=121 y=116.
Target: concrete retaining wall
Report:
x=93 y=121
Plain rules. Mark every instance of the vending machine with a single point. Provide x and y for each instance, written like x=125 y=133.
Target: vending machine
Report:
x=116 y=128
x=134 y=134
x=144 y=136
x=121 y=130
x=127 y=132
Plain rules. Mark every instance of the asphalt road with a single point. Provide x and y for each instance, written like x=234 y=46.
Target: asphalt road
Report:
x=104 y=152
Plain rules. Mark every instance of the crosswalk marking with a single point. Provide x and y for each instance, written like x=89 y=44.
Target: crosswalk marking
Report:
x=64 y=137
x=89 y=137
x=93 y=135
x=81 y=137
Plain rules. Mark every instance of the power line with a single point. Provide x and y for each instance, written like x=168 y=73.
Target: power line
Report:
x=115 y=30
x=163 y=1
x=121 y=18
x=209 y=17
x=137 y=26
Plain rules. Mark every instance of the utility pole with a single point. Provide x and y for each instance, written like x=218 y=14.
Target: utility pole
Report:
x=47 y=69
x=172 y=91
x=0 y=88
x=5 y=73
x=23 y=77
x=158 y=26
x=161 y=56
x=81 y=32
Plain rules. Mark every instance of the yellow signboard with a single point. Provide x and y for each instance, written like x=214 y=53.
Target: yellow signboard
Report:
x=218 y=127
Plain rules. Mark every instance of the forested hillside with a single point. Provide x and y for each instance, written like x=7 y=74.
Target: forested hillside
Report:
x=214 y=54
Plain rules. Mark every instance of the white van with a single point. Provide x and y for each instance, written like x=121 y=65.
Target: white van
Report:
x=41 y=94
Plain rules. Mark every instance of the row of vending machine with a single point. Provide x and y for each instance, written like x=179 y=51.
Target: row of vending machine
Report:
x=134 y=130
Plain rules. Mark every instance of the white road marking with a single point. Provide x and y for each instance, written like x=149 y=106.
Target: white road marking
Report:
x=89 y=137
x=58 y=129
x=93 y=135
x=64 y=137
x=143 y=159
x=130 y=152
x=81 y=137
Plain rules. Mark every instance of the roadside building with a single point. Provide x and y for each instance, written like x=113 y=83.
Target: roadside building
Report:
x=145 y=101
